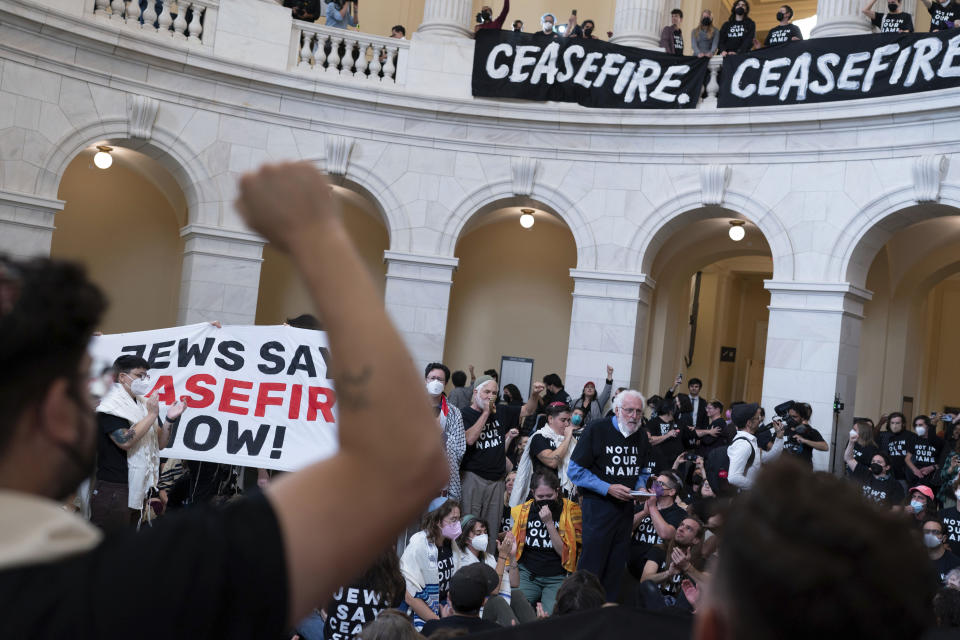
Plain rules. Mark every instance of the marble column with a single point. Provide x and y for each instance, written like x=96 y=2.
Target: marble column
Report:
x=27 y=224
x=417 y=298
x=446 y=18
x=608 y=324
x=813 y=341
x=637 y=23
x=842 y=18
x=220 y=278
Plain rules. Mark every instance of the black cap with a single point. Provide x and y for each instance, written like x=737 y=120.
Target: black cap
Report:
x=743 y=412
x=471 y=585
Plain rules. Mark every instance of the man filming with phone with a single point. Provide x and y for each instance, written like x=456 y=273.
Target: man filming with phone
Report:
x=485 y=18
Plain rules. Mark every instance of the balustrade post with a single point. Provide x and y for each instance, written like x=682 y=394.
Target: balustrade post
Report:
x=637 y=23
x=446 y=18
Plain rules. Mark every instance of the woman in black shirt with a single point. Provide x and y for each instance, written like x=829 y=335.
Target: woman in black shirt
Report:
x=737 y=33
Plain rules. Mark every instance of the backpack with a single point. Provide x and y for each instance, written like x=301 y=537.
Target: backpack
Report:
x=717 y=466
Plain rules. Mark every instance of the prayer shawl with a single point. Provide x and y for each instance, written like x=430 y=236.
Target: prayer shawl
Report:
x=521 y=486
x=419 y=568
x=143 y=460
x=570 y=528
x=37 y=530
x=454 y=444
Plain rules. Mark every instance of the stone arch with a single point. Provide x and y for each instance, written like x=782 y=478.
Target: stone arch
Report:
x=176 y=156
x=500 y=194
x=868 y=231
x=687 y=207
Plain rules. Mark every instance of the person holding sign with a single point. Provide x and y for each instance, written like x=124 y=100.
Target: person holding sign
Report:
x=737 y=33
x=895 y=21
x=260 y=565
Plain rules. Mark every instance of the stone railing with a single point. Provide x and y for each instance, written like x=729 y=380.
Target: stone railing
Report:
x=190 y=21
x=348 y=53
x=709 y=100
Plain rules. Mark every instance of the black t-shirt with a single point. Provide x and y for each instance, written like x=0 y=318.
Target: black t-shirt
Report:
x=781 y=34
x=678 y=42
x=943 y=17
x=737 y=35
x=506 y=520
x=539 y=444
x=444 y=568
x=200 y=573
x=896 y=446
x=796 y=448
x=111 y=459
x=951 y=523
x=645 y=536
x=765 y=436
x=604 y=451
x=486 y=457
x=893 y=22
x=727 y=433
x=472 y=625
x=926 y=452
x=666 y=452
x=670 y=586
x=538 y=555
x=864 y=454
x=885 y=490
x=352 y=607
x=945 y=564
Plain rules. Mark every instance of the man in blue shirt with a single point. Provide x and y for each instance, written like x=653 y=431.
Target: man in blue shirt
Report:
x=342 y=14
x=607 y=465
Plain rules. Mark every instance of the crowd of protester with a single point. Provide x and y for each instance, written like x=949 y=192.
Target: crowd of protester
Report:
x=736 y=35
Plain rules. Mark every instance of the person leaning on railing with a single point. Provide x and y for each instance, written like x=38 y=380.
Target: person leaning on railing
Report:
x=705 y=36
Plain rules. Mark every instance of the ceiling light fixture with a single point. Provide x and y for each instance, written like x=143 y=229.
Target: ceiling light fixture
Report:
x=737 y=231
x=103 y=159
x=526 y=218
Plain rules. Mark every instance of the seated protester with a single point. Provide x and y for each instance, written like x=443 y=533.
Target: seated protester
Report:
x=879 y=484
x=934 y=539
x=896 y=442
x=506 y=522
x=503 y=608
x=785 y=31
x=719 y=433
x=427 y=561
x=865 y=446
x=515 y=450
x=946 y=608
x=922 y=456
x=922 y=506
x=943 y=15
x=895 y=21
x=951 y=520
x=802 y=439
x=656 y=522
x=578 y=419
x=664 y=437
x=738 y=32
x=549 y=448
x=360 y=602
x=580 y=591
x=667 y=567
x=389 y=625
x=548 y=530
x=469 y=588
x=591 y=403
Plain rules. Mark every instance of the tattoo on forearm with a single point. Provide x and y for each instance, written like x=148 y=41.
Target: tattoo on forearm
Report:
x=352 y=388
x=123 y=436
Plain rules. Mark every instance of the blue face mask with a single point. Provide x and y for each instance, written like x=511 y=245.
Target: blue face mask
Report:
x=576 y=420
x=916 y=505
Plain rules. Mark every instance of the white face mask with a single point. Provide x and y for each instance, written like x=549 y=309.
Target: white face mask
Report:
x=435 y=387
x=547 y=27
x=921 y=431
x=853 y=432
x=479 y=542
x=140 y=387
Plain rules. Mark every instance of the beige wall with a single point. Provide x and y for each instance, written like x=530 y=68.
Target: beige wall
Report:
x=282 y=293
x=512 y=296
x=123 y=229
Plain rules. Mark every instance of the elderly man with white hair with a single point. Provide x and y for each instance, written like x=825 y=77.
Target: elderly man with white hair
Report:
x=607 y=464
x=485 y=464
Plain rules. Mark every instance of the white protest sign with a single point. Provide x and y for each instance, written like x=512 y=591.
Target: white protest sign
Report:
x=255 y=396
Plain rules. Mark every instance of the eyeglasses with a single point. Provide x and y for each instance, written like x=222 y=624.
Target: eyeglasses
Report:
x=935 y=532
x=630 y=412
x=142 y=376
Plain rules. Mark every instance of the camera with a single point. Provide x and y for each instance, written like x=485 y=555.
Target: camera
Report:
x=481 y=18
x=783 y=412
x=690 y=457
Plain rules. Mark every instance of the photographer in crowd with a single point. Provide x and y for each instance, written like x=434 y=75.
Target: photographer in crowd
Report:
x=800 y=438
x=485 y=19
x=342 y=14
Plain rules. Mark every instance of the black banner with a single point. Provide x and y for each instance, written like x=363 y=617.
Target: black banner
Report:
x=589 y=72
x=844 y=68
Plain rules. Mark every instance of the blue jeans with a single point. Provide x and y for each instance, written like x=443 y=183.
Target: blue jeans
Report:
x=540 y=589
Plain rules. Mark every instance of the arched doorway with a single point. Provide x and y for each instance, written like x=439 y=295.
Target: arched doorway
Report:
x=512 y=291
x=123 y=223
x=282 y=294
x=708 y=313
